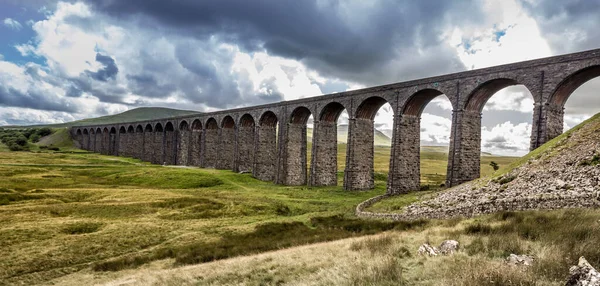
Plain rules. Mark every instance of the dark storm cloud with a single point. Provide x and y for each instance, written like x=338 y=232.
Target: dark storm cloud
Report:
x=567 y=24
x=335 y=38
x=109 y=70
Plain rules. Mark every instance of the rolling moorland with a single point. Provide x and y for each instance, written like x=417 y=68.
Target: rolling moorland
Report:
x=72 y=217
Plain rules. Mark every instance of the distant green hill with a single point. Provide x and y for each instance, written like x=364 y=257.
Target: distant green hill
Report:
x=138 y=114
x=342 y=136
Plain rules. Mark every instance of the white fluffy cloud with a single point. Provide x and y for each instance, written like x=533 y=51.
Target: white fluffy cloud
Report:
x=506 y=139
x=12 y=23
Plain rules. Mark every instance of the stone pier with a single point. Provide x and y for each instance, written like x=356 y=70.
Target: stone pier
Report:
x=359 y=160
x=324 y=154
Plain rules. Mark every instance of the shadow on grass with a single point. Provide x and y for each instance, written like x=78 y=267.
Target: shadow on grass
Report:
x=265 y=237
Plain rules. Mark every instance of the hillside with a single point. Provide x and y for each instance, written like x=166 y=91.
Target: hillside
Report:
x=137 y=114
x=380 y=138
x=563 y=173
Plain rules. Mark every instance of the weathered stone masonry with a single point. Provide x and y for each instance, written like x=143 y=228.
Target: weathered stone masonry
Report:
x=270 y=140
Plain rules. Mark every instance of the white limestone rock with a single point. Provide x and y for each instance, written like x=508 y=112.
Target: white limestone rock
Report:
x=427 y=249
x=583 y=274
x=448 y=247
x=514 y=259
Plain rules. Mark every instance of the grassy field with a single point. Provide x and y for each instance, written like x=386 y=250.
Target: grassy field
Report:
x=78 y=212
x=556 y=239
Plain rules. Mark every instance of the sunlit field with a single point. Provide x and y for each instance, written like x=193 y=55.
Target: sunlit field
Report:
x=64 y=212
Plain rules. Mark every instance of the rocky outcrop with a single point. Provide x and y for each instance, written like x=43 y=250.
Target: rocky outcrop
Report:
x=565 y=174
x=583 y=275
x=447 y=247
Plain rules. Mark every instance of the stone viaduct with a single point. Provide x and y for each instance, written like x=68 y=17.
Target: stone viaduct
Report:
x=270 y=140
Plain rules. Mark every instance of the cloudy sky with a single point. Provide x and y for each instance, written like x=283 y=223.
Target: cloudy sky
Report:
x=67 y=60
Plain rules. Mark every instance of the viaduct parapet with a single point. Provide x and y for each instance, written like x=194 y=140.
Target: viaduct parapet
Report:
x=270 y=140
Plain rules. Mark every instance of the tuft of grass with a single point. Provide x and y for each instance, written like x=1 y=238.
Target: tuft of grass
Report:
x=81 y=228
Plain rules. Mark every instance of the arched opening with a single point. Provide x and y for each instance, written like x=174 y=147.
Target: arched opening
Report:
x=266 y=157
x=92 y=144
x=421 y=143
x=569 y=104
x=86 y=140
x=211 y=144
x=122 y=142
x=170 y=144
x=148 y=153
x=183 y=142
x=98 y=141
x=129 y=141
x=368 y=155
x=158 y=144
x=245 y=152
x=494 y=127
x=295 y=163
x=196 y=143
x=112 y=142
x=329 y=145
x=226 y=150
x=105 y=142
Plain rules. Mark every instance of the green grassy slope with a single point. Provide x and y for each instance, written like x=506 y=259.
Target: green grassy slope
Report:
x=342 y=136
x=138 y=114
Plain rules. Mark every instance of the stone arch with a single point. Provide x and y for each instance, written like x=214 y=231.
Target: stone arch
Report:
x=105 y=141
x=170 y=144
x=247 y=120
x=122 y=143
x=465 y=143
x=86 y=139
x=268 y=118
x=569 y=84
x=211 y=123
x=359 y=173
x=148 y=154
x=405 y=163
x=211 y=143
x=158 y=143
x=92 y=144
x=228 y=122
x=295 y=159
x=98 y=140
x=137 y=142
x=112 y=142
x=196 y=143
x=183 y=143
x=417 y=102
x=483 y=92
x=226 y=150
x=554 y=110
x=300 y=115
x=183 y=126
x=245 y=144
x=368 y=108
x=324 y=166
x=266 y=155
x=331 y=112
x=197 y=125
x=130 y=147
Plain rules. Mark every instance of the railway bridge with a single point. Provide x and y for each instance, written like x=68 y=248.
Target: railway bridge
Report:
x=270 y=140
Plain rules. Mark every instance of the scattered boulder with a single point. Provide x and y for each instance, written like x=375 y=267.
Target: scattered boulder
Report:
x=448 y=247
x=514 y=259
x=427 y=249
x=583 y=274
